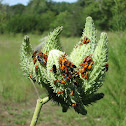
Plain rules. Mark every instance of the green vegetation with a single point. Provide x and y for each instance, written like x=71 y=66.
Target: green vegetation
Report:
x=43 y=15
x=18 y=97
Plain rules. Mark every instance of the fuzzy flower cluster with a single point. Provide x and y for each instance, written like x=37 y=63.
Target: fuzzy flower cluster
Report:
x=71 y=80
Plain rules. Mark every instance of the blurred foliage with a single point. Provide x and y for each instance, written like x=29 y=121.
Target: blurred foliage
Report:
x=43 y=15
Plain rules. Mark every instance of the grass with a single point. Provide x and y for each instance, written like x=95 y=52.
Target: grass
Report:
x=18 y=97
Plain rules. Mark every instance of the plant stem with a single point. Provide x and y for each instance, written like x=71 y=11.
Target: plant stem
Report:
x=39 y=104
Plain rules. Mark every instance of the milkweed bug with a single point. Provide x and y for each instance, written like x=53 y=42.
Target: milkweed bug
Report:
x=88 y=40
x=60 y=92
x=36 y=68
x=46 y=57
x=106 y=67
x=85 y=65
x=30 y=75
x=35 y=59
x=82 y=70
x=62 y=82
x=81 y=40
x=86 y=75
x=62 y=67
x=80 y=43
x=82 y=75
x=84 y=42
x=90 y=66
x=41 y=62
x=40 y=54
x=66 y=70
x=89 y=59
x=34 y=54
x=81 y=64
x=75 y=104
x=54 y=68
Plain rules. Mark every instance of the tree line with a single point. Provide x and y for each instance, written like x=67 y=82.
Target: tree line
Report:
x=43 y=15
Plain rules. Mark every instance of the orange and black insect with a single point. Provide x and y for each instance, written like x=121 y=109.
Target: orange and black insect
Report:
x=34 y=54
x=62 y=82
x=81 y=64
x=90 y=66
x=88 y=40
x=107 y=67
x=36 y=68
x=60 y=92
x=66 y=70
x=81 y=43
x=82 y=70
x=45 y=57
x=89 y=58
x=75 y=104
x=81 y=40
x=30 y=75
x=85 y=65
x=82 y=75
x=86 y=75
x=41 y=62
x=62 y=67
x=54 y=68
x=35 y=59
x=40 y=55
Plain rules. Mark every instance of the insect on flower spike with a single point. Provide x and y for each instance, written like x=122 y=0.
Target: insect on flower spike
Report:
x=60 y=92
x=40 y=55
x=62 y=82
x=36 y=68
x=41 y=62
x=86 y=75
x=34 y=54
x=82 y=70
x=75 y=104
x=30 y=75
x=85 y=65
x=89 y=59
x=54 y=68
x=35 y=59
x=107 y=67
x=90 y=66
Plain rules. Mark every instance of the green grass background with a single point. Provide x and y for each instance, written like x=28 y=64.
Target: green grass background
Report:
x=18 y=97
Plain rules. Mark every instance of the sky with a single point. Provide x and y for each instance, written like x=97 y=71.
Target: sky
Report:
x=25 y=2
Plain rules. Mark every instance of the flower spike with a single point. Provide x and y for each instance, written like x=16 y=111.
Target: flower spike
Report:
x=71 y=80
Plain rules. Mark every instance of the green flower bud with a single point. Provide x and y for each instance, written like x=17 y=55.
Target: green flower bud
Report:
x=70 y=80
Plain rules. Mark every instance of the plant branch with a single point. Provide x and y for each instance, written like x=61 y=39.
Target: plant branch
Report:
x=39 y=104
